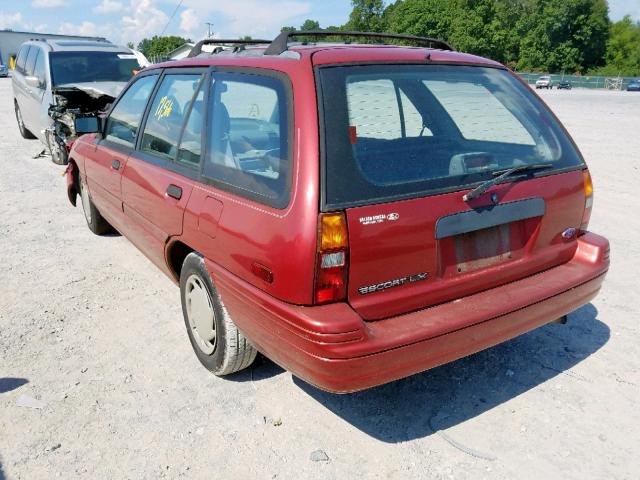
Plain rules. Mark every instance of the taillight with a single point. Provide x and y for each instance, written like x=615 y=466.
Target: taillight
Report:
x=588 y=201
x=332 y=258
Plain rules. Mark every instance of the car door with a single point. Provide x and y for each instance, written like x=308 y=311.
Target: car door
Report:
x=33 y=95
x=18 y=82
x=103 y=171
x=159 y=176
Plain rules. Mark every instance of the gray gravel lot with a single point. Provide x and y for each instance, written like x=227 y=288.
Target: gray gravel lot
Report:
x=92 y=332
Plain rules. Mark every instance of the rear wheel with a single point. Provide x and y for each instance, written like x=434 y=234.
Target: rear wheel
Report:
x=24 y=131
x=215 y=339
x=95 y=221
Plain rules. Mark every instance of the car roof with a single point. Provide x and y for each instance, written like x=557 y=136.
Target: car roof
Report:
x=324 y=54
x=79 y=46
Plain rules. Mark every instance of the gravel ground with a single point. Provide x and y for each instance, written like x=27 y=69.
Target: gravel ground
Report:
x=93 y=334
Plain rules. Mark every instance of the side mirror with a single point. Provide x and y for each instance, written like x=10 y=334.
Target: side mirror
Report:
x=33 y=82
x=87 y=125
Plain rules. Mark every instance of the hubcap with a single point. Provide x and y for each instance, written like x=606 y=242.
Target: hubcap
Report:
x=86 y=202
x=200 y=314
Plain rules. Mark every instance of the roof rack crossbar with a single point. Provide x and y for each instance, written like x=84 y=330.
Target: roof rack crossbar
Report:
x=281 y=43
x=197 y=48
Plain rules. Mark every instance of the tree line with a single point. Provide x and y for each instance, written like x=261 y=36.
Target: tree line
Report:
x=571 y=36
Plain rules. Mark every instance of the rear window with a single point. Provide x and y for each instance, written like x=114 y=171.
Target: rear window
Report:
x=80 y=67
x=402 y=131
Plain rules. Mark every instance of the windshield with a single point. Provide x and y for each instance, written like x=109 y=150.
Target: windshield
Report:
x=81 y=67
x=399 y=131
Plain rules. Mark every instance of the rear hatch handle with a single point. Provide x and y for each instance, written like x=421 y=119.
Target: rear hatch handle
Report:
x=501 y=175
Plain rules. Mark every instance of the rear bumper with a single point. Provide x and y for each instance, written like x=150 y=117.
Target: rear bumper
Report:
x=331 y=347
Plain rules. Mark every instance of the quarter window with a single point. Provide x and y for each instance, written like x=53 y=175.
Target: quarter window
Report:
x=248 y=137
x=22 y=58
x=39 y=70
x=122 y=124
x=173 y=102
x=31 y=60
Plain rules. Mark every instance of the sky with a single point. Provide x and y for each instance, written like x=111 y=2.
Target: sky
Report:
x=122 y=21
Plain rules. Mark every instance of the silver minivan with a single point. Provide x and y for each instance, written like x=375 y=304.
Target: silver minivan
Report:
x=56 y=81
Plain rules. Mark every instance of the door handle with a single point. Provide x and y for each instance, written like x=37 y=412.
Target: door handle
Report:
x=174 y=191
x=115 y=164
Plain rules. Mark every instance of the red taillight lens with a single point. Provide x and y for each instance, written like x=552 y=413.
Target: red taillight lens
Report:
x=588 y=201
x=332 y=258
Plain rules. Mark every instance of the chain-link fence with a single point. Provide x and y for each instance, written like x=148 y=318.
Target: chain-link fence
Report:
x=579 y=81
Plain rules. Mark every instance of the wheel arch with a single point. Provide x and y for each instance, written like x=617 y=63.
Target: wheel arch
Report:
x=73 y=178
x=175 y=254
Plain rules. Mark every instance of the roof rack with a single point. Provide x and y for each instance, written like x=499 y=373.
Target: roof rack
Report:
x=237 y=42
x=281 y=43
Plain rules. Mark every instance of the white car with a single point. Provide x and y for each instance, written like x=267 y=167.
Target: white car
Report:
x=544 y=82
x=56 y=81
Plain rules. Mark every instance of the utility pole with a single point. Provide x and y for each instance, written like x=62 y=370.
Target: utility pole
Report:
x=209 y=25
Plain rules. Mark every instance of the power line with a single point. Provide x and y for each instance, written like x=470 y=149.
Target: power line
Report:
x=171 y=17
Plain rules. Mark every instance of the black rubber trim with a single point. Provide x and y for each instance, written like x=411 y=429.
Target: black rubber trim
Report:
x=487 y=217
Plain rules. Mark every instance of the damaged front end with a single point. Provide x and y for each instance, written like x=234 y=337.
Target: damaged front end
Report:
x=75 y=101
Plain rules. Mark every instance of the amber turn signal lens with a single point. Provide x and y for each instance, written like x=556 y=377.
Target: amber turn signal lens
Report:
x=588 y=184
x=333 y=231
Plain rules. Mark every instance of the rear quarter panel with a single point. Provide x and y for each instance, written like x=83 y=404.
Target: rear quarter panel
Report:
x=236 y=233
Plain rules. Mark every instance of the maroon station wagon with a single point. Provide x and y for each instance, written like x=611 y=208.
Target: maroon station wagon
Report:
x=357 y=213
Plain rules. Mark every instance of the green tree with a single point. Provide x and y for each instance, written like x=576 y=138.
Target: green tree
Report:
x=366 y=16
x=623 y=49
x=563 y=35
x=310 y=26
x=158 y=47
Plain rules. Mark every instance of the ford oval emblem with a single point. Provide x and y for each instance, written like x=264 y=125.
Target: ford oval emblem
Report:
x=393 y=217
x=569 y=233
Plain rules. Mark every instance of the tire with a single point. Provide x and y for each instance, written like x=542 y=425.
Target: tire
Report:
x=24 y=131
x=95 y=221
x=223 y=349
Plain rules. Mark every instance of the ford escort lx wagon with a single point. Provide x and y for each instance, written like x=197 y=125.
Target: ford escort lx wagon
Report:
x=357 y=213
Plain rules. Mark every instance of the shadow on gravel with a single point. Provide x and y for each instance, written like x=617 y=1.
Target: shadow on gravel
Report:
x=440 y=398
x=8 y=384
x=262 y=369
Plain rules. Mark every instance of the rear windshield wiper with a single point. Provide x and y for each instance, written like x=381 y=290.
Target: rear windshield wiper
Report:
x=501 y=175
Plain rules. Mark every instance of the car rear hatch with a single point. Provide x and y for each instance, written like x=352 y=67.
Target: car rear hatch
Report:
x=402 y=144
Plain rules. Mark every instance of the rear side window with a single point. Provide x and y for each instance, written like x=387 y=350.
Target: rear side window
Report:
x=402 y=131
x=39 y=70
x=478 y=114
x=171 y=106
x=34 y=52
x=122 y=124
x=248 y=137
x=22 y=58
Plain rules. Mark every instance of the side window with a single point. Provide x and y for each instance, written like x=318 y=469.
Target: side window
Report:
x=478 y=113
x=34 y=52
x=378 y=111
x=39 y=69
x=22 y=58
x=190 y=147
x=122 y=124
x=248 y=137
x=373 y=109
x=167 y=115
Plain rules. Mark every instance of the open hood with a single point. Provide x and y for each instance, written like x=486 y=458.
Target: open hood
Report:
x=94 y=89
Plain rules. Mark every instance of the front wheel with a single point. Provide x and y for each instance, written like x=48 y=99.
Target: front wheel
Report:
x=95 y=221
x=215 y=339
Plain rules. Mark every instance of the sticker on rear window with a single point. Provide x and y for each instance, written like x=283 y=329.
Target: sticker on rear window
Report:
x=126 y=56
